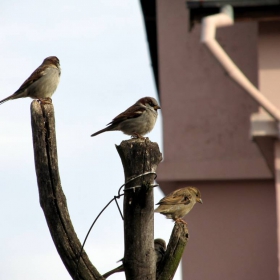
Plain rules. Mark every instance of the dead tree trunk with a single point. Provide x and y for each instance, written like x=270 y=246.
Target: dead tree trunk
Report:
x=52 y=199
x=139 y=157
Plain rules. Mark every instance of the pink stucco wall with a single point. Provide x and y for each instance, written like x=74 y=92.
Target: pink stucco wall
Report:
x=206 y=124
x=233 y=233
x=206 y=115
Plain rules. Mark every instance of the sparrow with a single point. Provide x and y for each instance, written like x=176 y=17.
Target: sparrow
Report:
x=160 y=248
x=42 y=83
x=137 y=120
x=179 y=203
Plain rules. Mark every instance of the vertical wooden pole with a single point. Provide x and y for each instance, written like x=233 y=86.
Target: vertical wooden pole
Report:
x=139 y=156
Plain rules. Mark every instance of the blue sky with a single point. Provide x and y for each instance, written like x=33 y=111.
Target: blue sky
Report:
x=106 y=67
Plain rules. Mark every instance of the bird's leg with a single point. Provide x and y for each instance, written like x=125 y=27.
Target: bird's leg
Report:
x=47 y=100
x=136 y=135
x=179 y=220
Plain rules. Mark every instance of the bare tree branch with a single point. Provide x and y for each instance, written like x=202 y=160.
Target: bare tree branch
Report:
x=175 y=249
x=52 y=199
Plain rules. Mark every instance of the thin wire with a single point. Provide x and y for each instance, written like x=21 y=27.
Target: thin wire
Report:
x=143 y=174
x=114 y=198
x=76 y=273
x=118 y=206
x=139 y=186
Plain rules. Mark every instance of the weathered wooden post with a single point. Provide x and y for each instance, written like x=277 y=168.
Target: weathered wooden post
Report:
x=52 y=199
x=139 y=156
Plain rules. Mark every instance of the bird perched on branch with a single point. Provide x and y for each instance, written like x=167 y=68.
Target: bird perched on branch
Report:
x=42 y=83
x=160 y=248
x=179 y=203
x=137 y=120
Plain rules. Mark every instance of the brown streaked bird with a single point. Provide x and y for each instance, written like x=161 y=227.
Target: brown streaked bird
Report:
x=160 y=248
x=179 y=203
x=137 y=120
x=42 y=83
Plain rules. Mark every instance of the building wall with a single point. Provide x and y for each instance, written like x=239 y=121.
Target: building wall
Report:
x=233 y=233
x=206 y=124
x=206 y=116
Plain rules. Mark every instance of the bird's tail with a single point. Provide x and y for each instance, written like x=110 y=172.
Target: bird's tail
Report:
x=157 y=210
x=98 y=132
x=108 y=128
x=118 y=269
x=6 y=99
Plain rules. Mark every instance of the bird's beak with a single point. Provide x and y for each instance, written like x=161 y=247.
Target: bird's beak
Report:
x=157 y=107
x=199 y=200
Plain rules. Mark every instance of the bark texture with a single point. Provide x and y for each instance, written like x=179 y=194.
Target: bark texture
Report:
x=138 y=157
x=52 y=199
x=175 y=249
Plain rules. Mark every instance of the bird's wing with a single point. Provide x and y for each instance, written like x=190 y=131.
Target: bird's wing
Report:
x=131 y=112
x=35 y=76
x=177 y=197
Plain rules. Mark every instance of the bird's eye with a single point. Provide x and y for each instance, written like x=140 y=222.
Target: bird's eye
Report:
x=151 y=103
